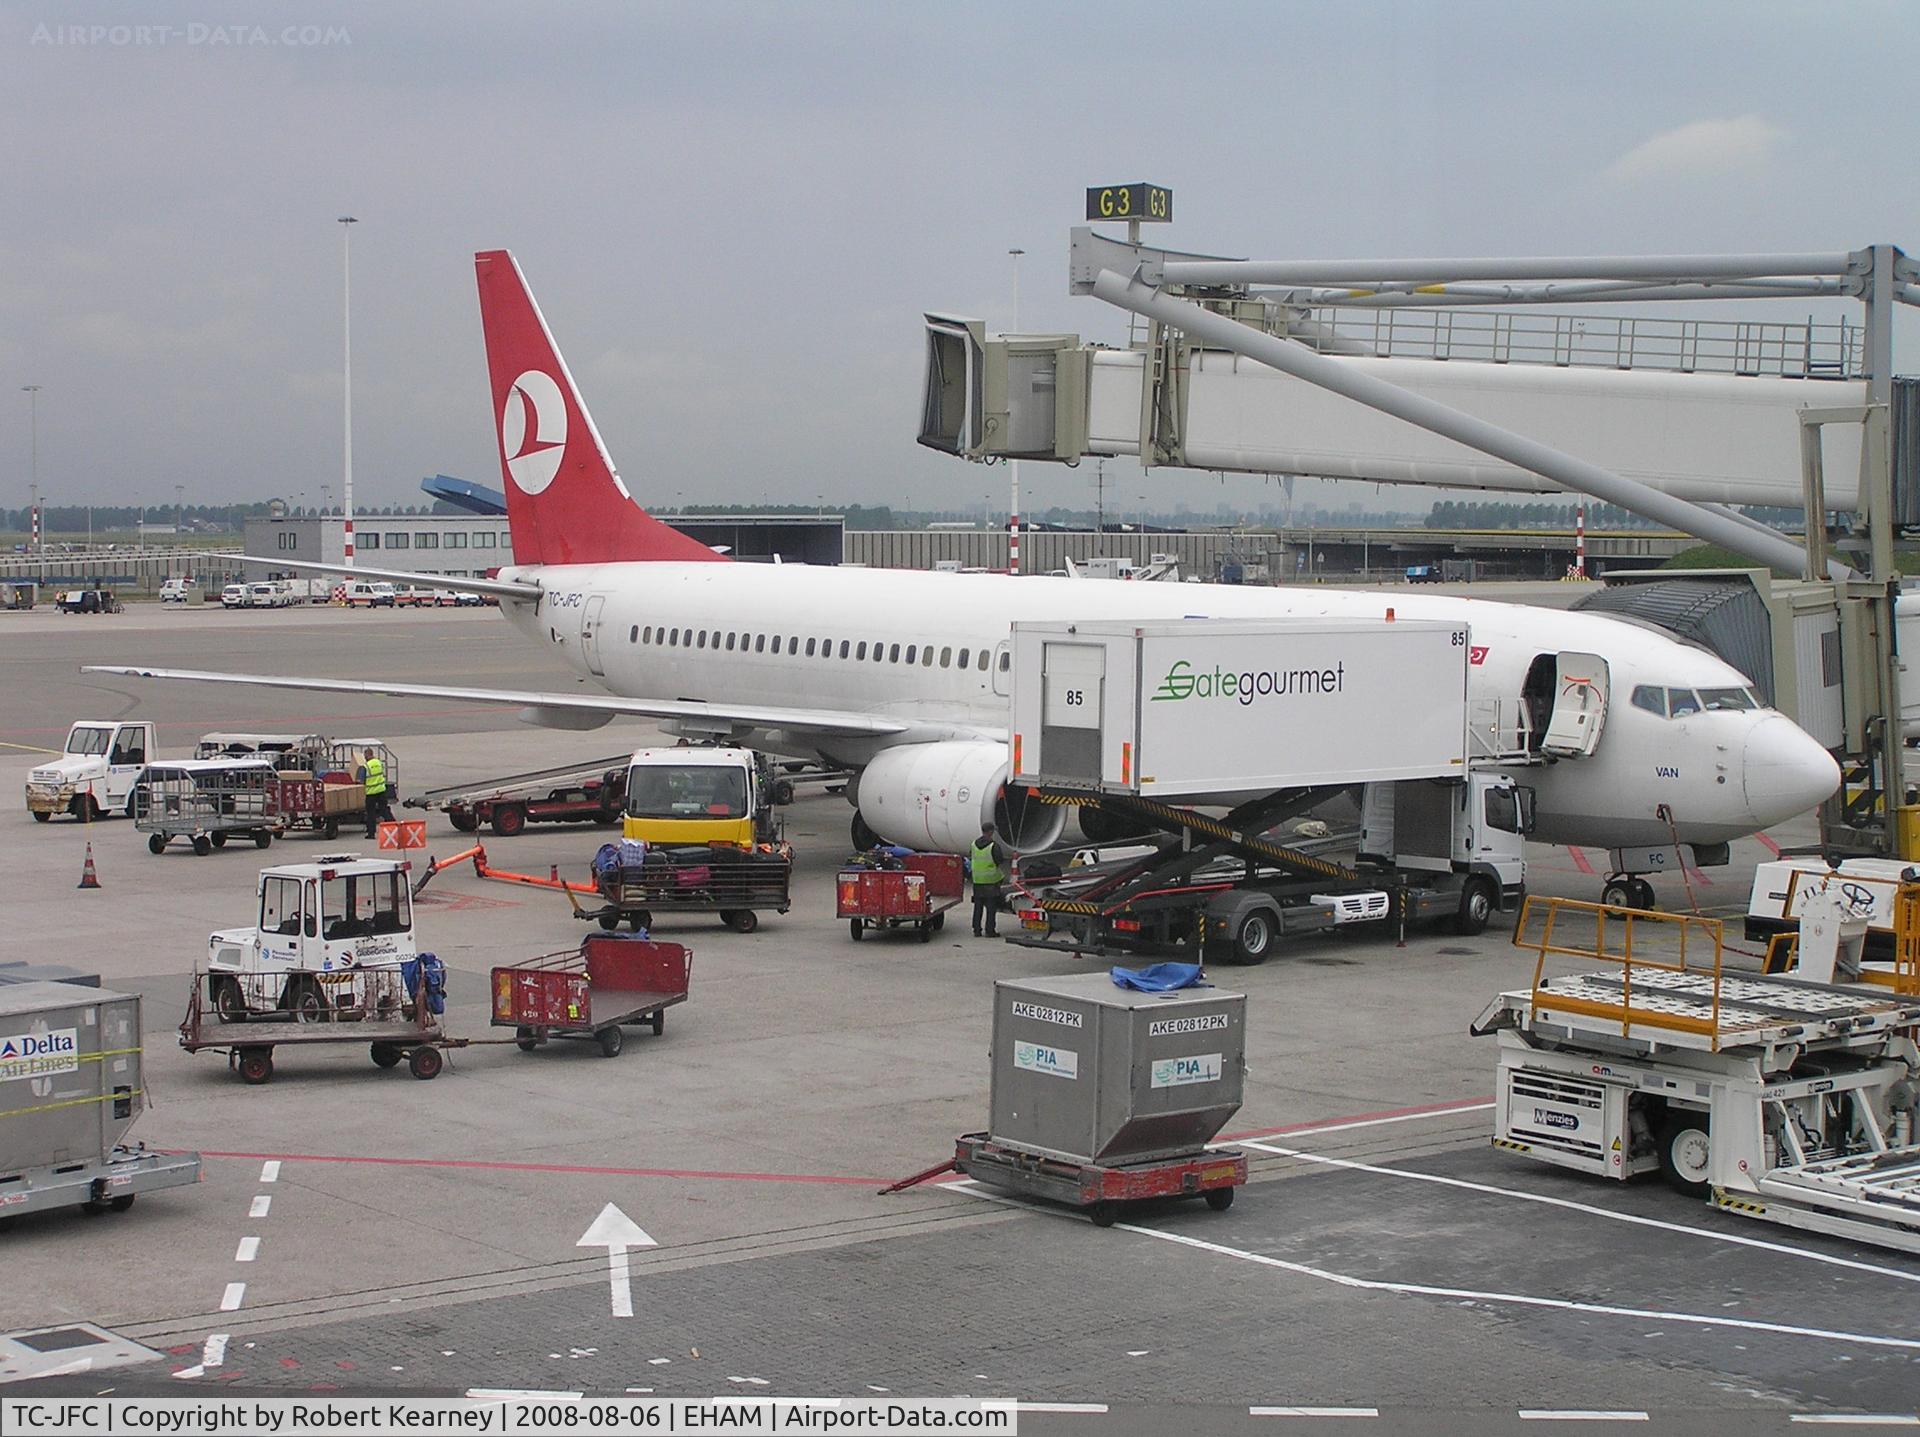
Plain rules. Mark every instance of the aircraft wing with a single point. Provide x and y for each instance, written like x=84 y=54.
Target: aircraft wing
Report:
x=499 y=588
x=584 y=710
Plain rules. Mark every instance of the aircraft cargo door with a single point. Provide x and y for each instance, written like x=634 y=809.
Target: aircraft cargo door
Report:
x=1073 y=679
x=1566 y=702
x=590 y=634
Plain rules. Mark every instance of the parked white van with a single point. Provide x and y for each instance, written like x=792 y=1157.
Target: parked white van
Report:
x=372 y=593
x=267 y=595
x=235 y=596
x=175 y=591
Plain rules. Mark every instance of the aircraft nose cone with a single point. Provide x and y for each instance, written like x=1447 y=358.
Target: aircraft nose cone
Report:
x=1784 y=771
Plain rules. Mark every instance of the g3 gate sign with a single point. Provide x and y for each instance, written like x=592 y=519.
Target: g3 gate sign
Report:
x=1152 y=203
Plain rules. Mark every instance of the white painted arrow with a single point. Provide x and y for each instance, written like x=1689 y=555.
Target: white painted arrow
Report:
x=617 y=1232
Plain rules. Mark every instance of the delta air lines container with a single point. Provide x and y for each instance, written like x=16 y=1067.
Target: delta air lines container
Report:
x=1090 y=1072
x=69 y=1074
x=1219 y=710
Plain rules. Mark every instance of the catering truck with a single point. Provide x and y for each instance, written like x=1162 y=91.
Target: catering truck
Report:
x=96 y=772
x=1206 y=736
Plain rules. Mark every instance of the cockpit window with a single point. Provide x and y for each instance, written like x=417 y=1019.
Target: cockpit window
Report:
x=1726 y=700
x=1681 y=702
x=1653 y=700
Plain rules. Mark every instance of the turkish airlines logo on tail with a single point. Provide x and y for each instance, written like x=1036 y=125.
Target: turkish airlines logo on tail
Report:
x=533 y=431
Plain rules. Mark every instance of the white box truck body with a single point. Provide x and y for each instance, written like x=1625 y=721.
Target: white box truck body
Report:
x=1213 y=711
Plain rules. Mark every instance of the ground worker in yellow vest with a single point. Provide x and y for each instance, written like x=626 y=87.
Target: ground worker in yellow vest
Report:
x=373 y=773
x=987 y=866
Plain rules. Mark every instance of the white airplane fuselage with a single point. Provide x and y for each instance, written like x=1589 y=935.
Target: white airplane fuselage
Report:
x=1652 y=779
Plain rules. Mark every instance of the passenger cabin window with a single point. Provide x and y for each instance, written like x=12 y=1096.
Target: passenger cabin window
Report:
x=896 y=653
x=1006 y=661
x=926 y=657
x=730 y=638
x=946 y=656
x=983 y=661
x=793 y=646
x=862 y=652
x=633 y=637
x=843 y=648
x=646 y=635
x=809 y=648
x=966 y=656
x=703 y=639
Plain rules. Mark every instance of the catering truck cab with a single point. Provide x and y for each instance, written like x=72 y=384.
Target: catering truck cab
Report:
x=95 y=774
x=695 y=795
x=317 y=923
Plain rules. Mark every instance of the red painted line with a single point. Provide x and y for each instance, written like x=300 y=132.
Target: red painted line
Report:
x=1768 y=844
x=473 y=1164
x=1579 y=859
x=1426 y=1110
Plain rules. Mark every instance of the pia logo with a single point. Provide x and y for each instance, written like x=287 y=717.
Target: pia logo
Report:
x=533 y=431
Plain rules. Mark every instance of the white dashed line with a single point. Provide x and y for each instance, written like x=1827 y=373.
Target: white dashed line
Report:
x=1091 y=1409
x=230 y=1299
x=1313 y=1412
x=509 y=1393
x=1858 y=1419
x=261 y=1206
x=248 y=1250
x=270 y=1171
x=1554 y=1414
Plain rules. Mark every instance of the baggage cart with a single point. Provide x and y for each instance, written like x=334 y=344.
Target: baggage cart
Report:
x=889 y=891
x=571 y=793
x=373 y=1006
x=207 y=801
x=1099 y=1188
x=593 y=991
x=732 y=882
x=71 y=1088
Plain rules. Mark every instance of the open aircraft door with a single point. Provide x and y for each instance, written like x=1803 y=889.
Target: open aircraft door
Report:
x=1579 y=705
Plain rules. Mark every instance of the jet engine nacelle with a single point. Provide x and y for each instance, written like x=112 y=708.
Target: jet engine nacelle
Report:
x=935 y=796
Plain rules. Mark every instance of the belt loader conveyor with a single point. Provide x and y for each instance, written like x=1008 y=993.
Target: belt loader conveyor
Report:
x=1771 y=1097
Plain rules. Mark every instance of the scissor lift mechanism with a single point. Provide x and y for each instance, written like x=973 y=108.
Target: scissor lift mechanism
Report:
x=1770 y=1096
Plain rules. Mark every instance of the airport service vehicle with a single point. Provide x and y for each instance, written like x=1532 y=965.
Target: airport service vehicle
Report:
x=207 y=801
x=368 y=594
x=1781 y=1098
x=96 y=773
x=268 y=595
x=594 y=992
x=592 y=792
x=175 y=591
x=315 y=781
x=1157 y=727
x=411 y=596
x=693 y=794
x=340 y=914
x=638 y=880
x=883 y=890
x=71 y=1088
x=87 y=601
x=903 y=676
x=236 y=596
x=395 y=1011
x=456 y=598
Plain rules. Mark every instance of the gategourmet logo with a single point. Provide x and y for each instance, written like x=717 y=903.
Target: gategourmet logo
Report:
x=1183 y=682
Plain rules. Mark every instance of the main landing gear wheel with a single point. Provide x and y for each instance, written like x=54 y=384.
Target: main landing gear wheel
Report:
x=1685 y=1150
x=1629 y=892
x=863 y=836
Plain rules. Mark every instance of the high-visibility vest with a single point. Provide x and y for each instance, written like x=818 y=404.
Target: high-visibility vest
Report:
x=985 y=867
x=376 y=777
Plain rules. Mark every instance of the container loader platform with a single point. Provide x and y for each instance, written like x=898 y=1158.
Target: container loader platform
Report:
x=1774 y=1097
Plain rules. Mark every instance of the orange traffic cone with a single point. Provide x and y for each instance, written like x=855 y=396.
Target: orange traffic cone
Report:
x=88 y=878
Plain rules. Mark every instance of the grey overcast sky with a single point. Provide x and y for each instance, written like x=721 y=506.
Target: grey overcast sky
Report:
x=734 y=214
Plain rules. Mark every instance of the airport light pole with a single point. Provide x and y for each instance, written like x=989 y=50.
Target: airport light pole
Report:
x=32 y=391
x=347 y=222
x=1013 y=465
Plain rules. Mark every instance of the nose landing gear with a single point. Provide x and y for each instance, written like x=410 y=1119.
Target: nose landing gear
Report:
x=1628 y=890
